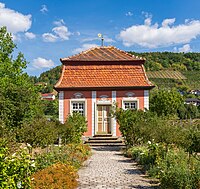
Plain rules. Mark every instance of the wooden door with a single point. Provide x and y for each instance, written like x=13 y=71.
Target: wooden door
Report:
x=104 y=119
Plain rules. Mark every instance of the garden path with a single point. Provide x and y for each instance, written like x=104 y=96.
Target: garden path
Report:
x=108 y=168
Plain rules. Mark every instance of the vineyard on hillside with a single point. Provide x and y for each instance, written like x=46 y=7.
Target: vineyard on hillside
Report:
x=166 y=74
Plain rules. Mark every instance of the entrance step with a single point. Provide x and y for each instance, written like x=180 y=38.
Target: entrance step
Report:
x=103 y=135
x=105 y=141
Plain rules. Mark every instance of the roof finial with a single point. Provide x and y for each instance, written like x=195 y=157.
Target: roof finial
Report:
x=102 y=39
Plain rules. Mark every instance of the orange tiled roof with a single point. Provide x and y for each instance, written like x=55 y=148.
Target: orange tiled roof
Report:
x=103 y=76
x=104 y=53
x=127 y=73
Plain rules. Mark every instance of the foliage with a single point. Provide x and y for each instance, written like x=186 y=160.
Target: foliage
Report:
x=189 y=61
x=165 y=102
x=174 y=168
x=178 y=171
x=60 y=176
x=50 y=77
x=59 y=166
x=19 y=98
x=16 y=168
x=73 y=129
x=73 y=154
x=50 y=107
x=188 y=111
x=192 y=139
x=39 y=133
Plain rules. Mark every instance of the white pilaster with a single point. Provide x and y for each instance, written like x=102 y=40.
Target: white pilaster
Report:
x=93 y=111
x=61 y=106
x=146 y=99
x=114 y=123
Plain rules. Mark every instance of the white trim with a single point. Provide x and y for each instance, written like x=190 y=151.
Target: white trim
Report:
x=61 y=106
x=107 y=102
x=93 y=112
x=79 y=100
x=146 y=99
x=130 y=100
x=113 y=120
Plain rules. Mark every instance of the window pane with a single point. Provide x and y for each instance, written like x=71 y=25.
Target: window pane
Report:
x=78 y=107
x=130 y=105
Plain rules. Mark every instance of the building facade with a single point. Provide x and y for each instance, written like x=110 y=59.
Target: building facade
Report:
x=93 y=81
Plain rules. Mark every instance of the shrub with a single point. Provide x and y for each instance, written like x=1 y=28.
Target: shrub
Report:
x=58 y=176
x=15 y=169
x=73 y=129
x=74 y=154
x=39 y=133
x=177 y=170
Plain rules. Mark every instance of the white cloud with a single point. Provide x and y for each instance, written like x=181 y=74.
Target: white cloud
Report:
x=168 y=22
x=153 y=36
x=59 y=22
x=83 y=48
x=78 y=33
x=185 y=48
x=129 y=14
x=13 y=20
x=59 y=33
x=42 y=63
x=30 y=35
x=44 y=9
x=62 y=32
x=49 y=37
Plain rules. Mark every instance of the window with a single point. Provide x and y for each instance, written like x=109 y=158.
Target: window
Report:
x=130 y=105
x=78 y=107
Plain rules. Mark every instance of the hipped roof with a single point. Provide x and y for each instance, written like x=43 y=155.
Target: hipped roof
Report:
x=103 y=67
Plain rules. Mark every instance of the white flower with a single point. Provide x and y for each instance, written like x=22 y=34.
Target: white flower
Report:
x=33 y=165
x=28 y=145
x=149 y=142
x=19 y=184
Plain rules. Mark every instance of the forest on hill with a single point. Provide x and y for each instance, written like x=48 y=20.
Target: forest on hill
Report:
x=185 y=64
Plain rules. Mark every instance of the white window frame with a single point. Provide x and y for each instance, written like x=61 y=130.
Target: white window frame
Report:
x=129 y=100
x=79 y=101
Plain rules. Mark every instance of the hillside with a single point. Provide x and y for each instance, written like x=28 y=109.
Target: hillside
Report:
x=164 y=69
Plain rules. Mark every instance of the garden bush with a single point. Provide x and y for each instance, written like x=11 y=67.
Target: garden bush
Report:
x=59 y=176
x=38 y=133
x=16 y=168
x=74 y=154
x=74 y=127
x=178 y=170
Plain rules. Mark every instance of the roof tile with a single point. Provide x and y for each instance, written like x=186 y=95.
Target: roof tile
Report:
x=104 y=53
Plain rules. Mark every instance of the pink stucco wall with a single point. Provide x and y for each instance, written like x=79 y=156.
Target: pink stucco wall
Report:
x=139 y=94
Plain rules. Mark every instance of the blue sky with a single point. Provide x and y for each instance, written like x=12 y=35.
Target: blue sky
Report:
x=46 y=31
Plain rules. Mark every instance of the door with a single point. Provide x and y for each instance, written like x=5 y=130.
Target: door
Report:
x=104 y=119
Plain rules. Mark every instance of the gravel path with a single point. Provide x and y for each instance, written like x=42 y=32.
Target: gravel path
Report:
x=108 y=168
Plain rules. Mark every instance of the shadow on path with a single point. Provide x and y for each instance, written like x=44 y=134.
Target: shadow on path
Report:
x=108 y=168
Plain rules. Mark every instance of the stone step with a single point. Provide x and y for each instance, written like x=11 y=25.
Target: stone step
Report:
x=103 y=135
x=103 y=138
x=107 y=144
x=104 y=141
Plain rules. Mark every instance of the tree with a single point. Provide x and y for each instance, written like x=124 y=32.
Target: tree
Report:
x=165 y=102
x=39 y=133
x=19 y=98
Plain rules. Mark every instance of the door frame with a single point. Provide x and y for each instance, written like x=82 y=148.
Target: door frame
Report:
x=96 y=116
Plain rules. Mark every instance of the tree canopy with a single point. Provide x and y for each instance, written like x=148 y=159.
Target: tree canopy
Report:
x=19 y=98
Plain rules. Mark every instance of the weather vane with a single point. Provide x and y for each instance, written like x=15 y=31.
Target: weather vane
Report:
x=102 y=39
